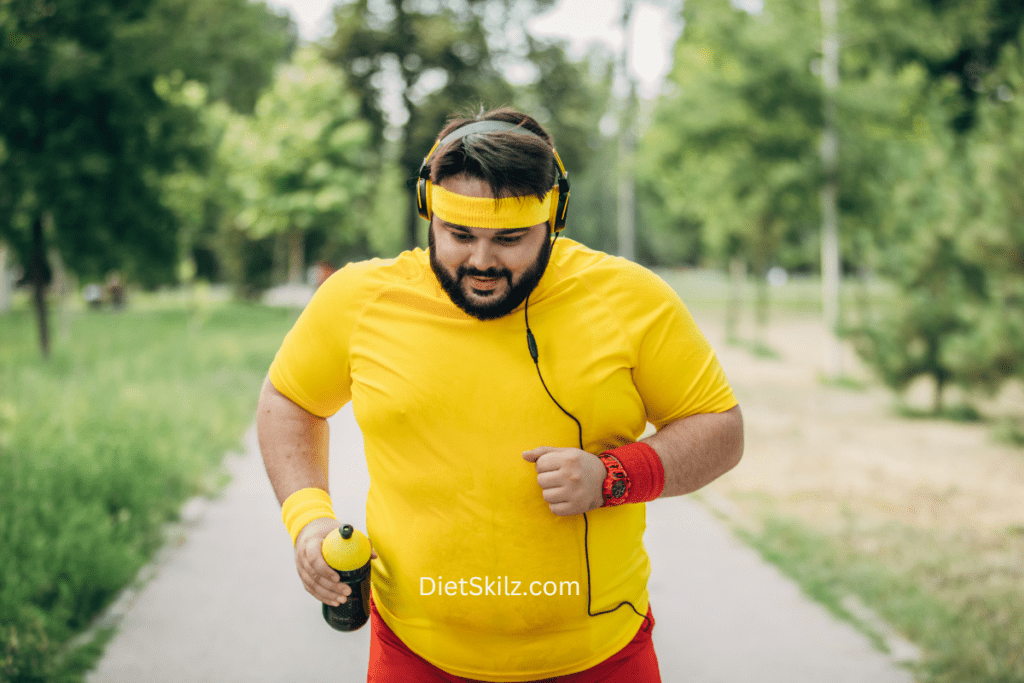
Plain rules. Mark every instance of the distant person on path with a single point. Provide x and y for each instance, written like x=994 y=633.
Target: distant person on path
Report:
x=321 y=271
x=501 y=382
x=115 y=290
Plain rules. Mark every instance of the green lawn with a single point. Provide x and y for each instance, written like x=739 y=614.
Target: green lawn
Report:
x=710 y=290
x=101 y=445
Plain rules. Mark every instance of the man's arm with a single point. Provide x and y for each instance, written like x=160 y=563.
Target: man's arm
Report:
x=694 y=451
x=293 y=443
x=698 y=449
x=294 y=446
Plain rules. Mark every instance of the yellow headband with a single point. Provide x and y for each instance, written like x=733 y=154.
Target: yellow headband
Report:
x=483 y=212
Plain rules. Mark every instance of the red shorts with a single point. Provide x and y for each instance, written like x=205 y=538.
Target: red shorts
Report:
x=392 y=662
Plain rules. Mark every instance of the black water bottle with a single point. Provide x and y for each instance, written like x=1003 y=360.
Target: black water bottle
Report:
x=348 y=552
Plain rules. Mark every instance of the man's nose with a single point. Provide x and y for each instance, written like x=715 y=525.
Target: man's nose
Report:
x=483 y=255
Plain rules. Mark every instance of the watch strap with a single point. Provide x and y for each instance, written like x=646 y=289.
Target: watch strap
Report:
x=615 y=489
x=644 y=470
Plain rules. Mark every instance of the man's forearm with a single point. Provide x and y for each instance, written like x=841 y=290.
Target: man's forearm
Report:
x=698 y=449
x=293 y=443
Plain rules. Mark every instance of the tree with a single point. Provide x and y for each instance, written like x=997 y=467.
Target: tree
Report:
x=82 y=131
x=415 y=63
x=231 y=46
x=569 y=98
x=957 y=43
x=733 y=148
x=950 y=238
x=86 y=138
x=313 y=158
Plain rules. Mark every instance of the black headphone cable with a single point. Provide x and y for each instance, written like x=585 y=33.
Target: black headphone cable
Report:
x=531 y=343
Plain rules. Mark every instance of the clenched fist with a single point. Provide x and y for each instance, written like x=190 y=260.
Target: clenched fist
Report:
x=571 y=479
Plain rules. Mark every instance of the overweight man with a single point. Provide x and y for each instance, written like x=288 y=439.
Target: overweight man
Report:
x=501 y=379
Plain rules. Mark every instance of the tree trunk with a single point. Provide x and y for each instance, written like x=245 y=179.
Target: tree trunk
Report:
x=5 y=279
x=830 y=263
x=39 y=276
x=62 y=285
x=761 y=308
x=626 y=191
x=940 y=386
x=279 y=263
x=230 y=243
x=412 y=221
x=762 y=261
x=737 y=280
x=296 y=258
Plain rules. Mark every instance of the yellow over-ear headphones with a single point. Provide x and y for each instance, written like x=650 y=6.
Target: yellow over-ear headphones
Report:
x=559 y=204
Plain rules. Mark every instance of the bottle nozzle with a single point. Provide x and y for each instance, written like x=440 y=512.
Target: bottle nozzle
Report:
x=346 y=549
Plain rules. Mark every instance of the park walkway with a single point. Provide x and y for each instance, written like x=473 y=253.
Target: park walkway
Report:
x=226 y=605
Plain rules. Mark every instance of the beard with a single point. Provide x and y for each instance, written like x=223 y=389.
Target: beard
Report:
x=499 y=306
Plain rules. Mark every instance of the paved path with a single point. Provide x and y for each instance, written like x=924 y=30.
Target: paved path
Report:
x=226 y=604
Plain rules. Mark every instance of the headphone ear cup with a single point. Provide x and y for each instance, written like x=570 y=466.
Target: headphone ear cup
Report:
x=423 y=198
x=553 y=213
x=560 y=208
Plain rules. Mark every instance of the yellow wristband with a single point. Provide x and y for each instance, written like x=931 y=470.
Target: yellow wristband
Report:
x=302 y=507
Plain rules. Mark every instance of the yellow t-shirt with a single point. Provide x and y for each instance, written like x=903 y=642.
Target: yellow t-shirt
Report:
x=474 y=572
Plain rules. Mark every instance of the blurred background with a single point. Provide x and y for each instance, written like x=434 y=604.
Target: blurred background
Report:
x=835 y=189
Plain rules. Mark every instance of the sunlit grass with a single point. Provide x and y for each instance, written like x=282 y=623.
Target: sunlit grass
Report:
x=710 y=290
x=101 y=445
x=967 y=616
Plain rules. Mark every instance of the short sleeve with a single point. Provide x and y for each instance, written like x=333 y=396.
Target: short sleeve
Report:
x=312 y=366
x=677 y=372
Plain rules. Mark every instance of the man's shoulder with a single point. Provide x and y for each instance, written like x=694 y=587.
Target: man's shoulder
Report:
x=612 y=275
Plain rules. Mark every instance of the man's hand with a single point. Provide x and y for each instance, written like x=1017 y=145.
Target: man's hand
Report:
x=571 y=479
x=319 y=578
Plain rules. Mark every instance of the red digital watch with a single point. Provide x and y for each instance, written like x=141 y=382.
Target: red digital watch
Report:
x=615 y=489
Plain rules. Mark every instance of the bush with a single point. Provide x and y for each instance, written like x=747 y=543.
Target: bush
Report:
x=99 y=448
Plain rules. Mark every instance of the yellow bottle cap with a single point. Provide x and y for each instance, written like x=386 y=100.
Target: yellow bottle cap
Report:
x=346 y=549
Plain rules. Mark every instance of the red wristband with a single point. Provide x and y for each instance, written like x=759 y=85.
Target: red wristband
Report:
x=644 y=468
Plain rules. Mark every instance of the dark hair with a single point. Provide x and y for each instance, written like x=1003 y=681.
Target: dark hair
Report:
x=513 y=164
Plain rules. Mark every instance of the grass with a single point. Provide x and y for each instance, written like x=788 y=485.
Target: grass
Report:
x=98 y=449
x=759 y=349
x=1010 y=431
x=969 y=621
x=706 y=290
x=960 y=412
x=842 y=382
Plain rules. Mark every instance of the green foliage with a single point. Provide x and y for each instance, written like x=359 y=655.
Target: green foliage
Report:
x=85 y=139
x=309 y=150
x=300 y=165
x=732 y=151
x=1010 y=431
x=315 y=164
x=99 y=448
x=231 y=46
x=441 y=58
x=958 y=44
x=570 y=99
x=84 y=136
x=929 y=170
x=953 y=242
x=915 y=337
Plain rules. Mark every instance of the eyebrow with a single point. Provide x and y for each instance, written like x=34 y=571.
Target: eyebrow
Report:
x=499 y=233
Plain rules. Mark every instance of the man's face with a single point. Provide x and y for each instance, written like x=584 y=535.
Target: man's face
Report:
x=487 y=273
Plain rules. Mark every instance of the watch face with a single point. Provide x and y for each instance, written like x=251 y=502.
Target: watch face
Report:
x=618 y=489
